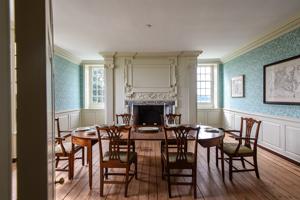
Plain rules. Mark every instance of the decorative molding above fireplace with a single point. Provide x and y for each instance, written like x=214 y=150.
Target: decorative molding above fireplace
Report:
x=150 y=78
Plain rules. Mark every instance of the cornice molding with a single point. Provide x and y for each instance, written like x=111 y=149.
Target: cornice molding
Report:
x=92 y=62
x=151 y=54
x=66 y=55
x=292 y=24
x=209 y=61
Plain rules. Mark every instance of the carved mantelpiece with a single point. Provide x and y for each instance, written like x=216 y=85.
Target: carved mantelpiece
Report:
x=160 y=79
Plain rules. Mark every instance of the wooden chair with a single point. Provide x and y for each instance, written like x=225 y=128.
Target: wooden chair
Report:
x=115 y=157
x=64 y=148
x=240 y=150
x=180 y=158
x=125 y=119
x=172 y=119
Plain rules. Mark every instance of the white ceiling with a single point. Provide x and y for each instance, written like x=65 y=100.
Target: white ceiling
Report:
x=218 y=27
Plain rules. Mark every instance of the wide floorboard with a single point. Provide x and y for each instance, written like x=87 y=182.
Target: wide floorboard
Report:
x=280 y=179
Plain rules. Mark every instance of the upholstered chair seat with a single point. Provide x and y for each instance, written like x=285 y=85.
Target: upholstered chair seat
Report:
x=230 y=148
x=123 y=156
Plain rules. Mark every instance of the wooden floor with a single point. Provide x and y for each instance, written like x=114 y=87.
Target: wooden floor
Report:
x=280 y=179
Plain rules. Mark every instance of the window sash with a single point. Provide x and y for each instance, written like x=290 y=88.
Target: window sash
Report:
x=205 y=84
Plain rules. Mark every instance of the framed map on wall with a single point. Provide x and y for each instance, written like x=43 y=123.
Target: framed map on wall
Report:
x=282 y=81
x=237 y=86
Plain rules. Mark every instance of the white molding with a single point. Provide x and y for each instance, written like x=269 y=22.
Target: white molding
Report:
x=67 y=111
x=209 y=61
x=66 y=55
x=92 y=62
x=292 y=24
x=289 y=119
x=151 y=54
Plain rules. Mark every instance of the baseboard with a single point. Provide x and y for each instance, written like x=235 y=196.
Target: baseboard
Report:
x=279 y=155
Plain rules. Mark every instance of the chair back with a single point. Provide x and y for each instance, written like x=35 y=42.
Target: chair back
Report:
x=249 y=124
x=116 y=137
x=173 y=119
x=182 y=135
x=123 y=118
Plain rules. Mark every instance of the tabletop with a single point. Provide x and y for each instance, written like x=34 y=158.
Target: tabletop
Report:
x=206 y=133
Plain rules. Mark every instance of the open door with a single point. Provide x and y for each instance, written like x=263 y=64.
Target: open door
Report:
x=34 y=42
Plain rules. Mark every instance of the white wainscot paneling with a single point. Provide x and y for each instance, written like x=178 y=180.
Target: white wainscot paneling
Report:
x=211 y=117
x=228 y=120
x=271 y=134
x=90 y=117
x=293 y=141
x=68 y=119
x=279 y=134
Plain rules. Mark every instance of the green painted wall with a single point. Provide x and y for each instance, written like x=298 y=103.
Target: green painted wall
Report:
x=68 y=84
x=251 y=65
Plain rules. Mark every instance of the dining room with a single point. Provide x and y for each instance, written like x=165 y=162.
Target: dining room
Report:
x=153 y=100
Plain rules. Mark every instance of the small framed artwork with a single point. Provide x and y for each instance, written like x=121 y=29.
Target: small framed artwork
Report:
x=237 y=86
x=282 y=81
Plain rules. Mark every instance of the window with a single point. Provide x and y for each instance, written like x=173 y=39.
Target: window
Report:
x=97 y=85
x=94 y=86
x=206 y=87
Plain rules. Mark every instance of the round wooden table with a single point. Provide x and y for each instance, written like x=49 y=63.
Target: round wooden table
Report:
x=208 y=137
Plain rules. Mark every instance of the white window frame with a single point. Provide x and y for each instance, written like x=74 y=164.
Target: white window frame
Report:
x=214 y=86
x=88 y=103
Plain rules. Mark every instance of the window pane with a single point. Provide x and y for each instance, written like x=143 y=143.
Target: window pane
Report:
x=207 y=77
x=202 y=84
x=97 y=83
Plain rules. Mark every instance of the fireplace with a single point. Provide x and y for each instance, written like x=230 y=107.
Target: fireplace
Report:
x=149 y=113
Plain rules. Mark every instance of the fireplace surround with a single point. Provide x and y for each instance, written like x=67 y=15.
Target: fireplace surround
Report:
x=149 y=113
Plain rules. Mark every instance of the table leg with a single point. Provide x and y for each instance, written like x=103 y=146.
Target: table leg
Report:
x=208 y=155
x=90 y=163
x=222 y=163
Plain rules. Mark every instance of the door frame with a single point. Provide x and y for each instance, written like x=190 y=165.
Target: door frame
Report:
x=5 y=102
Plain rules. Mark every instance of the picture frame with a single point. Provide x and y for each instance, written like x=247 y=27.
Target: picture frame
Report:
x=282 y=82
x=238 y=86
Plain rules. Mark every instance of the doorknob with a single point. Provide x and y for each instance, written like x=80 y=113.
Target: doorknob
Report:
x=60 y=181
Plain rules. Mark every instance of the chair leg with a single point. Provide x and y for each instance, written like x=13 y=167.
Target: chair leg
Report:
x=162 y=168
x=56 y=162
x=243 y=162
x=169 y=183
x=71 y=166
x=222 y=164
x=230 y=168
x=133 y=146
x=208 y=155
x=136 y=168
x=126 y=181
x=217 y=157
x=101 y=182
x=195 y=182
x=82 y=156
x=255 y=165
x=106 y=173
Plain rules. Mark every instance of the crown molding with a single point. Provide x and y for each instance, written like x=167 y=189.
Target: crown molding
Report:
x=92 y=62
x=292 y=24
x=151 y=54
x=66 y=55
x=209 y=60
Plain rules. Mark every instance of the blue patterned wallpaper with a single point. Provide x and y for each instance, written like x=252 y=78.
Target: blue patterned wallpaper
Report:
x=68 y=84
x=251 y=64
